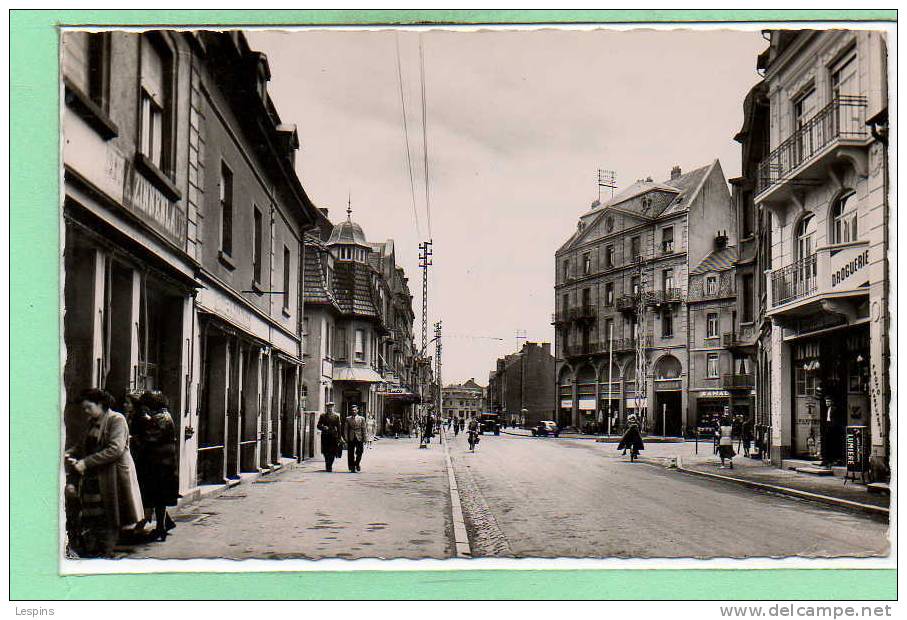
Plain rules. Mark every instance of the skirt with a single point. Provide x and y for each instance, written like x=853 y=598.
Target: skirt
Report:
x=726 y=452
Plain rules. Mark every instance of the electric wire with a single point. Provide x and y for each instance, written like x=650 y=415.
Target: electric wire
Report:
x=409 y=160
x=425 y=136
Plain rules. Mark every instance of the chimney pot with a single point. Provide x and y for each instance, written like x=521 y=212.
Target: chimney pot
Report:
x=675 y=172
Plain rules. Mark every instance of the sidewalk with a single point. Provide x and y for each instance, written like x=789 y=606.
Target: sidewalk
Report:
x=830 y=489
x=398 y=506
x=614 y=438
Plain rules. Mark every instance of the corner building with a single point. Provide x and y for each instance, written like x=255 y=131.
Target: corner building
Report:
x=644 y=282
x=824 y=183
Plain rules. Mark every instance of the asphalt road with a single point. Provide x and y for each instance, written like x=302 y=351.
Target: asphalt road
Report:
x=541 y=497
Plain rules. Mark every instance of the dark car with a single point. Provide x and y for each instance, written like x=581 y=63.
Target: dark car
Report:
x=490 y=422
x=546 y=428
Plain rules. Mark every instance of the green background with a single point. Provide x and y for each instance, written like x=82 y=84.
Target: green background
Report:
x=35 y=353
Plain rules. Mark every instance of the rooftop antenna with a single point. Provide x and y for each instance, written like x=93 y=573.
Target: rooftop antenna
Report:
x=606 y=178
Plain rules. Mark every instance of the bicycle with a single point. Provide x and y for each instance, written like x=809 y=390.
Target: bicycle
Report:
x=473 y=440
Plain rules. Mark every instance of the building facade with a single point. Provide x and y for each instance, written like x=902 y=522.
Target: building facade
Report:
x=521 y=387
x=824 y=185
x=183 y=243
x=462 y=401
x=623 y=319
x=358 y=327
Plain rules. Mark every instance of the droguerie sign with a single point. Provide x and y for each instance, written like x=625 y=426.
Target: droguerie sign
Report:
x=846 y=264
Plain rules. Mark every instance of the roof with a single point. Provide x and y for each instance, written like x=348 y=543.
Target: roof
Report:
x=348 y=231
x=718 y=260
x=352 y=287
x=315 y=288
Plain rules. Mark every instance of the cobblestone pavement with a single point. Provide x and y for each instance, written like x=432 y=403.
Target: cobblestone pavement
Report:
x=541 y=497
x=397 y=507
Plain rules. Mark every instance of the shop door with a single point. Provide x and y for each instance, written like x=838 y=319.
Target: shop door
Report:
x=264 y=455
x=212 y=410
x=277 y=388
x=668 y=418
x=234 y=388
x=248 y=410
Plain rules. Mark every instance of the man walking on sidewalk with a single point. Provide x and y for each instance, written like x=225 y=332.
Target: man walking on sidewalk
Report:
x=355 y=438
x=331 y=438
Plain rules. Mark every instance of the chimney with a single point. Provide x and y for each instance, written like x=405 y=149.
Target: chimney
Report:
x=721 y=239
x=675 y=172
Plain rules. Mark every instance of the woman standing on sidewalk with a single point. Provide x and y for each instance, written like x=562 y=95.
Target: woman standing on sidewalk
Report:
x=726 y=440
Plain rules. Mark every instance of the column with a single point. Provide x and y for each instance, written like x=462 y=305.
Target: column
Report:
x=781 y=396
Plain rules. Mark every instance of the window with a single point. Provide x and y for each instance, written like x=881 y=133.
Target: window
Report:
x=711 y=325
x=587 y=263
x=258 y=245
x=587 y=298
x=97 y=53
x=305 y=335
x=340 y=346
x=566 y=302
x=711 y=370
x=566 y=269
x=155 y=102
x=226 y=209
x=286 y=278
x=844 y=77
x=667 y=280
x=359 y=346
x=746 y=208
x=844 y=219
x=711 y=285
x=609 y=294
x=634 y=285
x=747 y=285
x=609 y=256
x=610 y=223
x=635 y=247
x=806 y=382
x=667 y=323
x=667 y=239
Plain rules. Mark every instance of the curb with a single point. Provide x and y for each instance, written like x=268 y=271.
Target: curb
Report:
x=816 y=497
x=461 y=538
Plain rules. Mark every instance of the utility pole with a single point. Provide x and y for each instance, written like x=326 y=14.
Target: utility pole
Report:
x=606 y=178
x=438 y=347
x=642 y=362
x=425 y=262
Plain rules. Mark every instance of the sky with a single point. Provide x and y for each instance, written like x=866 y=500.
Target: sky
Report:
x=518 y=123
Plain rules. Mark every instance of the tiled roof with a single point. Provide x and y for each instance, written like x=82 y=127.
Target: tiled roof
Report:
x=718 y=260
x=315 y=288
x=352 y=286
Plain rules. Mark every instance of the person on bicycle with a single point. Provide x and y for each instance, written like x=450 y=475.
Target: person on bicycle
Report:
x=632 y=439
x=472 y=431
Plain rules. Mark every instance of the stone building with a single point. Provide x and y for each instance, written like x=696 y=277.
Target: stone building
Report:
x=621 y=294
x=463 y=400
x=521 y=387
x=184 y=221
x=824 y=183
x=358 y=324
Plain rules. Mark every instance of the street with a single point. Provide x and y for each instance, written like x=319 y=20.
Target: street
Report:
x=521 y=497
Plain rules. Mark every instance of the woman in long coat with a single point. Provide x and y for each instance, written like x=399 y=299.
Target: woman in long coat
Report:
x=103 y=477
x=331 y=440
x=632 y=438
x=157 y=466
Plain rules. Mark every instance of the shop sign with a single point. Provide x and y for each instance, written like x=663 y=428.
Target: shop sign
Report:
x=631 y=403
x=566 y=404
x=714 y=394
x=856 y=450
x=846 y=266
x=587 y=404
x=152 y=207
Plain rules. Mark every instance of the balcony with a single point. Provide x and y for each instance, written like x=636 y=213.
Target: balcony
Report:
x=667 y=247
x=740 y=340
x=559 y=317
x=627 y=303
x=585 y=312
x=803 y=157
x=666 y=296
x=630 y=344
x=820 y=281
x=738 y=381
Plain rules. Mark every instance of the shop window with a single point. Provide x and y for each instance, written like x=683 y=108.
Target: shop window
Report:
x=805 y=380
x=711 y=322
x=844 y=219
x=712 y=366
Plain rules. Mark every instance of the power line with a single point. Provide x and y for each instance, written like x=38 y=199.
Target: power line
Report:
x=409 y=160
x=424 y=135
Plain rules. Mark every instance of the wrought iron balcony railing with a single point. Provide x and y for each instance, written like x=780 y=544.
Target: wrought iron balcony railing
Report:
x=843 y=118
x=666 y=296
x=739 y=381
x=794 y=281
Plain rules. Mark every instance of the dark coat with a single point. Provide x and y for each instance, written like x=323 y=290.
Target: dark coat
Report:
x=331 y=427
x=631 y=439
x=155 y=459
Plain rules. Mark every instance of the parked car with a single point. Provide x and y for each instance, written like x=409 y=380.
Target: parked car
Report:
x=545 y=428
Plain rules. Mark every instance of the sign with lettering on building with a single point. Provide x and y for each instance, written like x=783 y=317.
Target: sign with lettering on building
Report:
x=849 y=268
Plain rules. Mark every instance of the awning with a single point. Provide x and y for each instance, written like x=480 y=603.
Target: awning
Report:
x=363 y=375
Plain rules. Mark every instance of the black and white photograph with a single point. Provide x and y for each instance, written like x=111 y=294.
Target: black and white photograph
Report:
x=598 y=292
